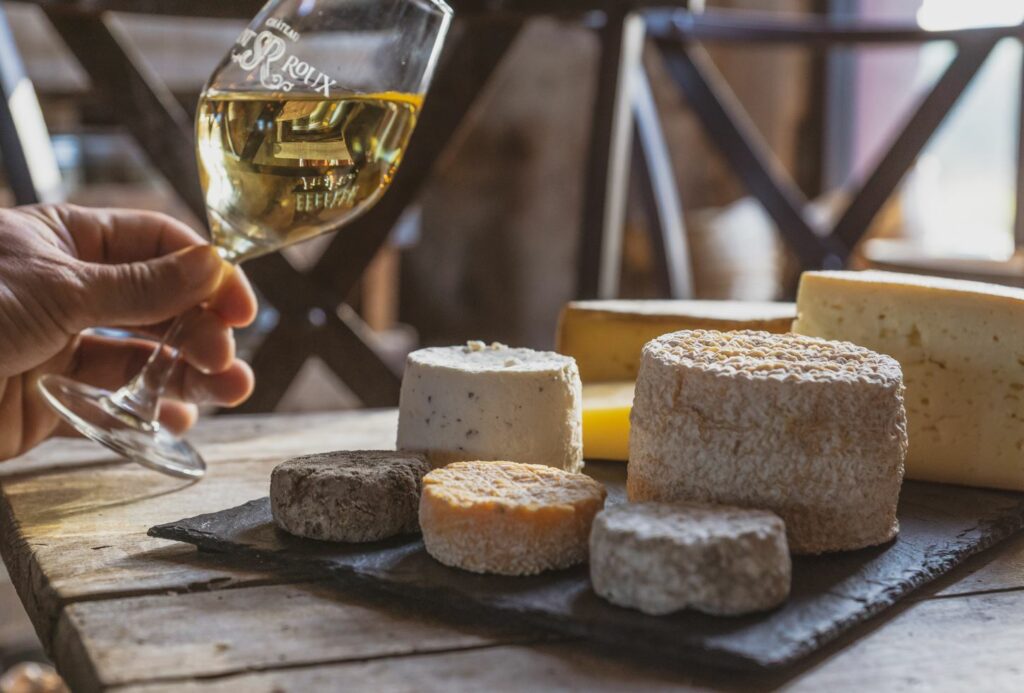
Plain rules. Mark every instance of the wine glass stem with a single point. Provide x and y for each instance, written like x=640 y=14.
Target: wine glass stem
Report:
x=141 y=396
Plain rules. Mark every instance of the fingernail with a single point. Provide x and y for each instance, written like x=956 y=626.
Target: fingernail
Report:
x=199 y=264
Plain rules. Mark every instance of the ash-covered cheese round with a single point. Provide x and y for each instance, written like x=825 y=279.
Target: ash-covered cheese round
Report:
x=508 y=518
x=479 y=402
x=813 y=430
x=663 y=557
x=349 y=496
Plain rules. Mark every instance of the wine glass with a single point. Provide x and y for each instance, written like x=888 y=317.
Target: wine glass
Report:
x=299 y=130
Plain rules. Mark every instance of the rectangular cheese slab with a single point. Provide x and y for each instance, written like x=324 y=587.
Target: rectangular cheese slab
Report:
x=606 y=408
x=961 y=347
x=939 y=527
x=606 y=337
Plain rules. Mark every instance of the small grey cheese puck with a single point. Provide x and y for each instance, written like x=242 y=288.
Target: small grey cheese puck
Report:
x=663 y=557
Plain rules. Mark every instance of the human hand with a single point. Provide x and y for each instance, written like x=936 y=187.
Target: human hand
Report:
x=64 y=269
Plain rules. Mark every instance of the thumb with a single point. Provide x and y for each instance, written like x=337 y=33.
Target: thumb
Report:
x=142 y=293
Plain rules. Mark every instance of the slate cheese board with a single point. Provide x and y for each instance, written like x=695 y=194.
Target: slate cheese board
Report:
x=940 y=526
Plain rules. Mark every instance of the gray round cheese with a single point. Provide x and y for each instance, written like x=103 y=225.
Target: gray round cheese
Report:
x=663 y=557
x=492 y=402
x=813 y=430
x=349 y=496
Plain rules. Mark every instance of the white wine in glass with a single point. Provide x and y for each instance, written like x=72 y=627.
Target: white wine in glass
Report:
x=299 y=130
x=279 y=168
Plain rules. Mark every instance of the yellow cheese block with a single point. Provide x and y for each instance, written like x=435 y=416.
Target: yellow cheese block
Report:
x=961 y=347
x=606 y=409
x=605 y=337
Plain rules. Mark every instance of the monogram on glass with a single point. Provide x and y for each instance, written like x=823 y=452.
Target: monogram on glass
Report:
x=299 y=130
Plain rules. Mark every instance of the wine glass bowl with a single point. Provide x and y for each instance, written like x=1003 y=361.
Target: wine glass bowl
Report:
x=279 y=170
x=299 y=130
x=302 y=125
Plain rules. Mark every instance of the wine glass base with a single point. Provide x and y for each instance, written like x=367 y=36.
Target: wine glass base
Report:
x=95 y=415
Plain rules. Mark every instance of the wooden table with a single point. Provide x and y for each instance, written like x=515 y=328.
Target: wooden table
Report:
x=119 y=610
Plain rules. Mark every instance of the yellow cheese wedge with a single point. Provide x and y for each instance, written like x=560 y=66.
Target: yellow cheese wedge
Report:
x=961 y=347
x=606 y=409
x=605 y=337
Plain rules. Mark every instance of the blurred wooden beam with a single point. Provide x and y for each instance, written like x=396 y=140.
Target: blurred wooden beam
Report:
x=144 y=106
x=815 y=32
x=1018 y=214
x=246 y=9
x=903 y=151
x=729 y=127
x=469 y=59
x=607 y=166
x=660 y=193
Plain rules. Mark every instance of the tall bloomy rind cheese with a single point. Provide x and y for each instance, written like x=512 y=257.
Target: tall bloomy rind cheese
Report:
x=810 y=429
x=961 y=346
x=479 y=402
x=606 y=337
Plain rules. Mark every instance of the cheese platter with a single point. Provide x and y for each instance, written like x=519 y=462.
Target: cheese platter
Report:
x=750 y=505
x=831 y=593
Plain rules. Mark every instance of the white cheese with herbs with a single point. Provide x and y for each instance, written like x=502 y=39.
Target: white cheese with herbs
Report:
x=492 y=402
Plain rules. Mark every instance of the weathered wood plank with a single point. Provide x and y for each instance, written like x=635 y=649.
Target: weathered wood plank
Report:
x=70 y=533
x=227 y=437
x=557 y=667
x=1000 y=569
x=221 y=633
x=560 y=667
x=940 y=644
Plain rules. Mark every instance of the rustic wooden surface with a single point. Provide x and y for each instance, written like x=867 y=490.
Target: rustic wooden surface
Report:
x=119 y=610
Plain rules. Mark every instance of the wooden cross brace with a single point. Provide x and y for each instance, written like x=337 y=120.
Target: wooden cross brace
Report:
x=729 y=127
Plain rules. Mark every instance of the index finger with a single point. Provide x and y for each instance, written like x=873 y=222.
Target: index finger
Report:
x=115 y=236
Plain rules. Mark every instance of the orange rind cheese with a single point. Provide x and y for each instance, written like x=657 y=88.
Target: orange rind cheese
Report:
x=508 y=518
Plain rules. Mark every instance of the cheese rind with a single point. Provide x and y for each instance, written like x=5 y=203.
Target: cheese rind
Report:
x=812 y=430
x=961 y=347
x=507 y=518
x=662 y=557
x=349 y=496
x=606 y=409
x=606 y=337
x=492 y=403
